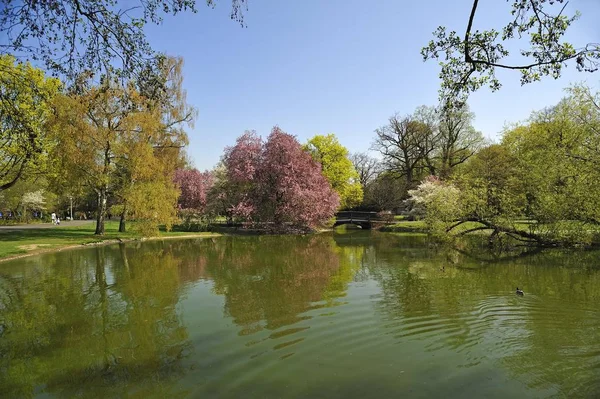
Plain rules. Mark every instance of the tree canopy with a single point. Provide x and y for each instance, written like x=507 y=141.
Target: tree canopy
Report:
x=431 y=141
x=277 y=182
x=122 y=144
x=337 y=168
x=70 y=36
x=26 y=95
x=469 y=62
x=544 y=171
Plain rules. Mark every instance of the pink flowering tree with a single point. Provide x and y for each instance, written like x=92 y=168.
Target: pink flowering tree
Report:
x=236 y=183
x=194 y=187
x=277 y=182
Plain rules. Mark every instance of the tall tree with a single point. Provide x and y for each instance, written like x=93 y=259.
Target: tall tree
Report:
x=112 y=141
x=70 y=36
x=469 y=62
x=89 y=128
x=25 y=107
x=545 y=170
x=457 y=139
x=367 y=167
x=160 y=93
x=386 y=192
x=277 y=181
x=337 y=168
x=194 y=189
x=405 y=144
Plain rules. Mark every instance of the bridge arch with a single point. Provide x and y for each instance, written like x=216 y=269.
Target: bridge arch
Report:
x=363 y=219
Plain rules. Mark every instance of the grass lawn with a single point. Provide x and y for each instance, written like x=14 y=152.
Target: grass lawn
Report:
x=39 y=240
x=418 y=226
x=405 y=226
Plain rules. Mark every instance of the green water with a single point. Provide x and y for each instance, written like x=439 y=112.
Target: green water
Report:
x=358 y=315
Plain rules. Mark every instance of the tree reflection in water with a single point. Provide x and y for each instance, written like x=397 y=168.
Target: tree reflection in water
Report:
x=116 y=321
x=79 y=324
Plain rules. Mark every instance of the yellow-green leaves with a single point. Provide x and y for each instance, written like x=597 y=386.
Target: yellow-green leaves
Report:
x=25 y=107
x=337 y=168
x=122 y=146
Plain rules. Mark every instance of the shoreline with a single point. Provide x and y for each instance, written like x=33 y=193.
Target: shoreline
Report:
x=110 y=241
x=223 y=231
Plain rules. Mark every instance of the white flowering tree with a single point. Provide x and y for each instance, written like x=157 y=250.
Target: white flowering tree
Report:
x=33 y=201
x=437 y=202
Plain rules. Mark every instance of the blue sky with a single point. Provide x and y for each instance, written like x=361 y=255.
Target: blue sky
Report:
x=336 y=66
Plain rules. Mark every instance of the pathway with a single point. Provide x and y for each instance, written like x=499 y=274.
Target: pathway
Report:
x=19 y=227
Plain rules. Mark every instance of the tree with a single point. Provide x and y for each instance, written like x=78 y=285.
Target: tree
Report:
x=70 y=36
x=159 y=91
x=33 y=200
x=470 y=62
x=194 y=187
x=492 y=185
x=24 y=196
x=277 y=182
x=149 y=196
x=337 y=168
x=559 y=156
x=405 y=144
x=113 y=142
x=25 y=107
x=457 y=139
x=237 y=181
x=488 y=194
x=366 y=166
x=541 y=172
x=437 y=201
x=387 y=192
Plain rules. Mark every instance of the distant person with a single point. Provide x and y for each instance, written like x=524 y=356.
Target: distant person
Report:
x=53 y=217
x=57 y=220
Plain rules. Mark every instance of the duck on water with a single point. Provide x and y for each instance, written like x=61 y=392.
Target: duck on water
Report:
x=520 y=292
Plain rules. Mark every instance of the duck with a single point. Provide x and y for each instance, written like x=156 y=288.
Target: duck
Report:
x=520 y=292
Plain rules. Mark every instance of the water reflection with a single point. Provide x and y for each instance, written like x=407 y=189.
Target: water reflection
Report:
x=90 y=323
x=548 y=339
x=270 y=283
x=342 y=315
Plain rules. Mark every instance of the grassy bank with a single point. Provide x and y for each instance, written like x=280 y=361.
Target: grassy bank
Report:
x=419 y=226
x=405 y=226
x=33 y=241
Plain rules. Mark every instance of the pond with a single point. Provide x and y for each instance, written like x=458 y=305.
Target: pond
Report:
x=356 y=315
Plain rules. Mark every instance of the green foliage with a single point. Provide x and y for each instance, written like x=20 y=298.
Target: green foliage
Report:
x=25 y=107
x=124 y=146
x=26 y=196
x=492 y=185
x=153 y=203
x=438 y=202
x=337 y=168
x=470 y=61
x=70 y=36
x=546 y=171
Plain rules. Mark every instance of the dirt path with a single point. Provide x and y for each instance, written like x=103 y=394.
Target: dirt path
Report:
x=19 y=227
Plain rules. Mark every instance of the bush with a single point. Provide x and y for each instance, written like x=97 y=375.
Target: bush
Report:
x=385 y=216
x=146 y=228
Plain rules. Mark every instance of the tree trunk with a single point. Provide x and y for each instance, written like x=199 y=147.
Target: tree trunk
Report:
x=409 y=178
x=124 y=258
x=101 y=211
x=122 y=222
